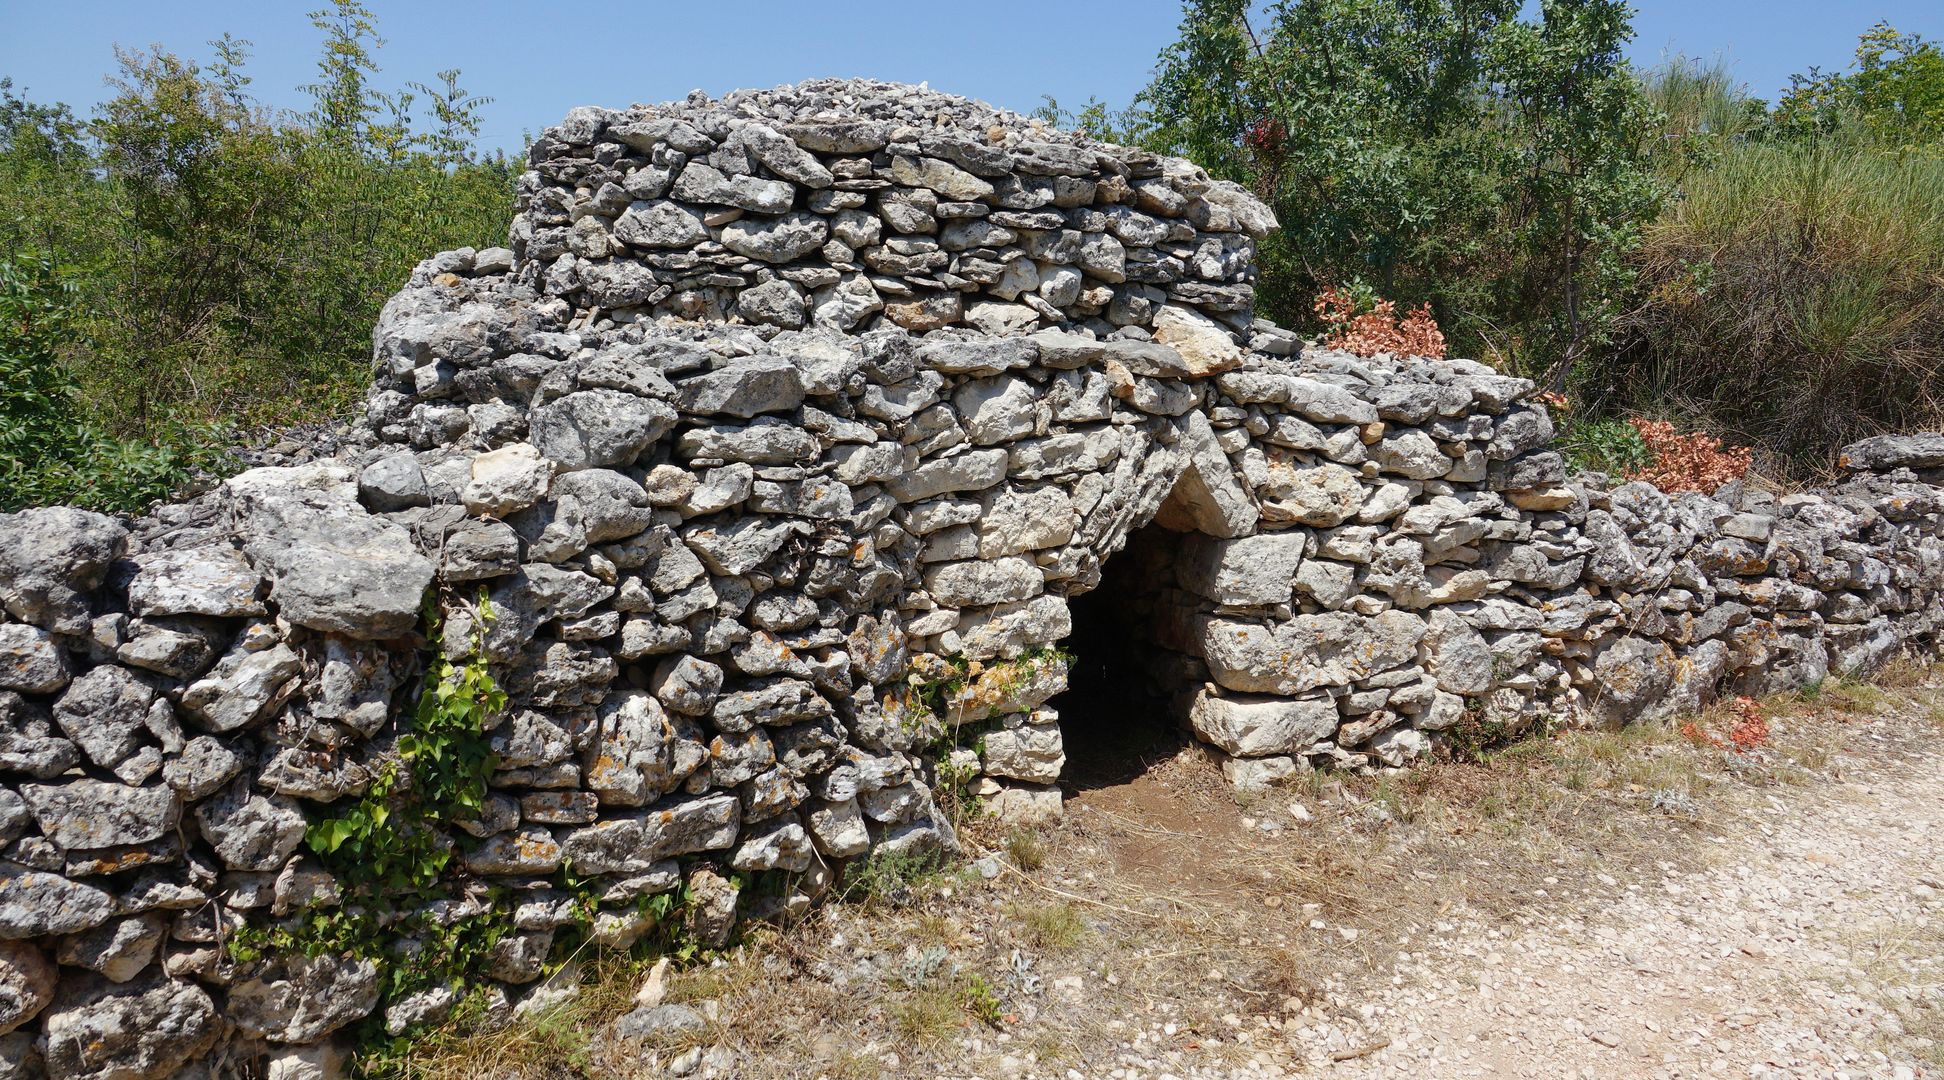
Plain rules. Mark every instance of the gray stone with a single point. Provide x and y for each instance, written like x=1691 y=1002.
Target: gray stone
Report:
x=780 y=155
x=1316 y=495
x=1308 y=651
x=660 y=224
x=973 y=471
x=36 y=904
x=93 y=814
x=1248 y=571
x=776 y=302
x=776 y=240
x=50 y=559
x=119 y=950
x=660 y=1023
x=997 y=581
x=143 y=1030
x=393 y=482
x=641 y=753
x=105 y=712
x=31 y=661
x=745 y=388
x=332 y=567
x=1885 y=452
x=687 y=684
x=243 y=687
x=26 y=984
x=598 y=428
x=250 y=831
x=699 y=183
x=942 y=177
x=195 y=581
x=635 y=842
x=299 y=999
x=1263 y=726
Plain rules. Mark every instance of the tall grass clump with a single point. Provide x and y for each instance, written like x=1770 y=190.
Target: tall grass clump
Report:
x=1794 y=299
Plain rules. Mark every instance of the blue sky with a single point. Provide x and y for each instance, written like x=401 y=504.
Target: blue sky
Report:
x=1005 y=51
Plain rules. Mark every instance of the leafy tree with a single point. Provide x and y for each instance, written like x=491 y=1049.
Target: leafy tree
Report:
x=1894 y=96
x=1442 y=150
x=216 y=260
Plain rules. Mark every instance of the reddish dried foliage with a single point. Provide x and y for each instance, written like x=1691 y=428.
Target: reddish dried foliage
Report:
x=1751 y=728
x=1378 y=330
x=1748 y=732
x=1688 y=462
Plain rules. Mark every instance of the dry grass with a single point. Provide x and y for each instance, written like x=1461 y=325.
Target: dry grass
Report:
x=1162 y=904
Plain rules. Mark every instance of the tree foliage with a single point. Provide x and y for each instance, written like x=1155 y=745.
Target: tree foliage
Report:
x=1449 y=151
x=221 y=262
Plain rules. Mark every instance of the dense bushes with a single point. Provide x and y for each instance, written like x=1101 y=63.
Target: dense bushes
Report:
x=1491 y=163
x=1658 y=244
x=1794 y=299
x=211 y=264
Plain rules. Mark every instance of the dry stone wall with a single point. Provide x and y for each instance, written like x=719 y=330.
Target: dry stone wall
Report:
x=760 y=468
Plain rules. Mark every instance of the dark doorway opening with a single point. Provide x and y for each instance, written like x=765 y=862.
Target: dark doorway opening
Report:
x=1118 y=713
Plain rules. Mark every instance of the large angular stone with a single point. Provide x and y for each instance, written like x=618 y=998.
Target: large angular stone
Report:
x=1205 y=348
x=1263 y=726
x=747 y=387
x=195 y=581
x=1308 y=651
x=1885 y=452
x=978 y=582
x=973 y=471
x=943 y=177
x=149 y=1029
x=31 y=661
x=35 y=904
x=776 y=240
x=633 y=843
x=598 y=428
x=1317 y=495
x=105 y=712
x=660 y=224
x=299 y=999
x=334 y=567
x=250 y=831
x=51 y=558
x=507 y=480
x=1249 y=571
x=243 y=687
x=93 y=814
x=26 y=983
x=641 y=752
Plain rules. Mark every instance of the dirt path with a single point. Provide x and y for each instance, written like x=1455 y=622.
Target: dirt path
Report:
x=1783 y=953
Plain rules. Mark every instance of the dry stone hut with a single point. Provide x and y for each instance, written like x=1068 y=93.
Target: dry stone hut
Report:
x=777 y=471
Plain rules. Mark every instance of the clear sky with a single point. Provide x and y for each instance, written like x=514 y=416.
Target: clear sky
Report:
x=1008 y=52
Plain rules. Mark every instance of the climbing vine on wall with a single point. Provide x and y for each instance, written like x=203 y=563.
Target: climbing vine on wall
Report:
x=391 y=837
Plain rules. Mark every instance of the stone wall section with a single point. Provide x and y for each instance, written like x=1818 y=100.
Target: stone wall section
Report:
x=778 y=439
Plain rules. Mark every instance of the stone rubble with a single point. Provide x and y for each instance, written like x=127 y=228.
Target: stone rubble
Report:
x=776 y=416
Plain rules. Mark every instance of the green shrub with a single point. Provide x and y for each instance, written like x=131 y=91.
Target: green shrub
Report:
x=51 y=451
x=1794 y=300
x=217 y=259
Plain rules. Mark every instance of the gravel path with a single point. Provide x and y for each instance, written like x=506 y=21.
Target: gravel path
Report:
x=1799 y=948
